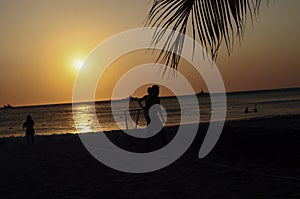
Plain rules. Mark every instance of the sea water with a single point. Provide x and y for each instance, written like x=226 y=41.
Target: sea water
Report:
x=59 y=119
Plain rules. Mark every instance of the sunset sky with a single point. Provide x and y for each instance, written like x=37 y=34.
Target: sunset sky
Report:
x=42 y=41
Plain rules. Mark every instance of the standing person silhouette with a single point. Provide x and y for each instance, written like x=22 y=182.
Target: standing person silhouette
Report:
x=146 y=105
x=29 y=129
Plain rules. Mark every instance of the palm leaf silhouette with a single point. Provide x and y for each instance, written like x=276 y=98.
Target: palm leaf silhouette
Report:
x=212 y=22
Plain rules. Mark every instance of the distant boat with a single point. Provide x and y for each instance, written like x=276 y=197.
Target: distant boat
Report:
x=202 y=93
x=7 y=106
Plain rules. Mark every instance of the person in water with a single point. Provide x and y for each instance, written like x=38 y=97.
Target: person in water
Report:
x=255 y=109
x=29 y=125
x=146 y=105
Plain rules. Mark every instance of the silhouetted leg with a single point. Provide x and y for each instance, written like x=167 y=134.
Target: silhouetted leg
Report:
x=32 y=138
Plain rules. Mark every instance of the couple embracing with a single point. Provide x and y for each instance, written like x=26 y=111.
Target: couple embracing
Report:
x=152 y=110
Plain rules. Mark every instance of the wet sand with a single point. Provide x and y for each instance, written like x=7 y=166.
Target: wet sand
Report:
x=257 y=158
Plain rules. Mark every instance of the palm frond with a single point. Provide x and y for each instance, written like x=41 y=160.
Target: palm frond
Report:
x=212 y=23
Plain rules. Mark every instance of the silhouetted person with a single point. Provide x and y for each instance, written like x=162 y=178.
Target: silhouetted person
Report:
x=246 y=110
x=146 y=105
x=29 y=129
x=156 y=122
x=255 y=109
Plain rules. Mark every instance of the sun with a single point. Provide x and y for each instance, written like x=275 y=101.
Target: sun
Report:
x=78 y=64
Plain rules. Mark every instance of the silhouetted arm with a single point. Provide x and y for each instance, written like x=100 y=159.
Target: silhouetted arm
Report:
x=140 y=101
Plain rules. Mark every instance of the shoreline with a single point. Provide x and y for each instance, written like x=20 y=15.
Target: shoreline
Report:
x=227 y=122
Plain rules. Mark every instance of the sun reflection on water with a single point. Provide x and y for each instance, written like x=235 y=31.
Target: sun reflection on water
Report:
x=84 y=120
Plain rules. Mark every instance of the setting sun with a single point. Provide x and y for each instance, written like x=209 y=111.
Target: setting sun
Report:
x=78 y=64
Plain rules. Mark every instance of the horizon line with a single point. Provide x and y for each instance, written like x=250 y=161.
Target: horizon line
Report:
x=162 y=96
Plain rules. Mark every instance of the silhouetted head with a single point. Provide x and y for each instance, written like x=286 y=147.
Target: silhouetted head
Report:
x=149 y=90
x=155 y=90
x=29 y=117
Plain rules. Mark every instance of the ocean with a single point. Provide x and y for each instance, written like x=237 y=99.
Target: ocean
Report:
x=58 y=119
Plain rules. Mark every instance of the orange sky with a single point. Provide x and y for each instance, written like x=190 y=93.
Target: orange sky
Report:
x=41 y=39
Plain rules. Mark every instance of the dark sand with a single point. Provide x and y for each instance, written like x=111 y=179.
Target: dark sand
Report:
x=253 y=159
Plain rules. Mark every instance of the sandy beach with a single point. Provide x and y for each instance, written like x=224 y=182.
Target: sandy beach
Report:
x=257 y=158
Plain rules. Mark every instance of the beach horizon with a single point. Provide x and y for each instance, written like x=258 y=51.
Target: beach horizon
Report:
x=135 y=97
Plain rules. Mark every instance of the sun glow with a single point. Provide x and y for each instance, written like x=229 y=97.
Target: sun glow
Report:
x=78 y=64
